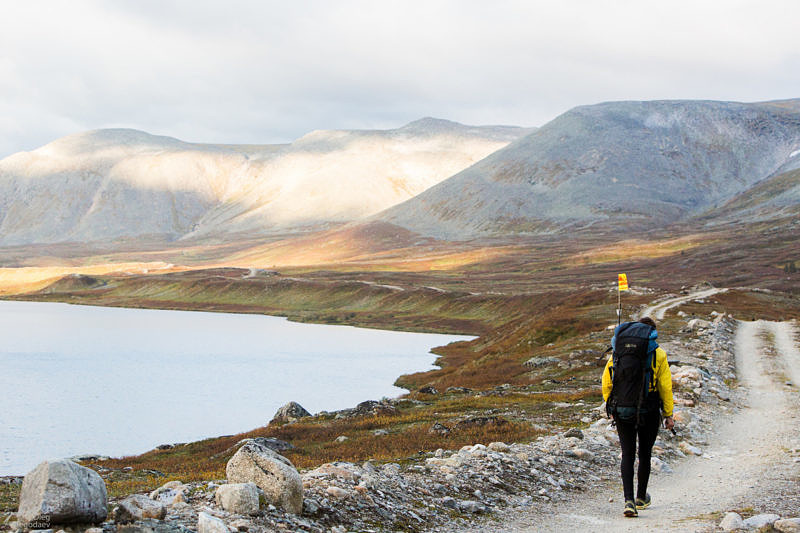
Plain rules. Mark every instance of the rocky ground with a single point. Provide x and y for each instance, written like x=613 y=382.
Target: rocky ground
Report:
x=484 y=487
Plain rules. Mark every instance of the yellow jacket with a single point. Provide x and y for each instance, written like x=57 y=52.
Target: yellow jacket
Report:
x=663 y=381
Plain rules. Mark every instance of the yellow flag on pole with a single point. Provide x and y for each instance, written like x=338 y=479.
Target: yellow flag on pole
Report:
x=623 y=282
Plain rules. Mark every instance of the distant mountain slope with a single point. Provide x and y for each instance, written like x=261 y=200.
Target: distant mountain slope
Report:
x=111 y=184
x=626 y=164
x=777 y=197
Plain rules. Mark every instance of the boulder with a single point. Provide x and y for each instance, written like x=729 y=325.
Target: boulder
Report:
x=787 y=525
x=480 y=421
x=371 y=407
x=272 y=473
x=210 y=524
x=272 y=443
x=574 y=432
x=499 y=447
x=138 y=507
x=429 y=390
x=731 y=522
x=62 y=492
x=760 y=520
x=289 y=413
x=340 y=470
x=170 y=493
x=238 y=498
x=458 y=390
x=698 y=323
x=439 y=428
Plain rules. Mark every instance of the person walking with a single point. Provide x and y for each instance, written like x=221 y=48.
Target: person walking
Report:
x=637 y=388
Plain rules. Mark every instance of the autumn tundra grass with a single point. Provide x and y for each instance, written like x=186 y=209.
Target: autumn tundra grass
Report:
x=539 y=308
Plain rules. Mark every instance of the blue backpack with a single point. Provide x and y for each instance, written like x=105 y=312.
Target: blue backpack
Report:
x=633 y=372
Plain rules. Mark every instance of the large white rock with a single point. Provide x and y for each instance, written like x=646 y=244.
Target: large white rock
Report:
x=787 y=525
x=761 y=520
x=731 y=522
x=138 y=507
x=62 y=492
x=239 y=498
x=271 y=472
x=210 y=524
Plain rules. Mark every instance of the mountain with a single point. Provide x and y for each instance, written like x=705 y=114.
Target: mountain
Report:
x=118 y=183
x=612 y=165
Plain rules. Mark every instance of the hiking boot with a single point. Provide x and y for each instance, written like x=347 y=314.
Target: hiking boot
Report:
x=630 y=509
x=643 y=504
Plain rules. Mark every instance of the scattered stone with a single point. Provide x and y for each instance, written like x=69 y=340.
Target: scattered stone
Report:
x=472 y=507
x=449 y=503
x=290 y=412
x=149 y=526
x=272 y=473
x=731 y=522
x=574 y=432
x=428 y=390
x=238 y=498
x=62 y=492
x=457 y=390
x=439 y=429
x=138 y=507
x=340 y=470
x=580 y=453
x=682 y=416
x=480 y=421
x=241 y=524
x=337 y=492
x=688 y=449
x=536 y=362
x=210 y=524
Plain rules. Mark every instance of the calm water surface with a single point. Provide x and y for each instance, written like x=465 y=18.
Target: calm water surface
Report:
x=79 y=379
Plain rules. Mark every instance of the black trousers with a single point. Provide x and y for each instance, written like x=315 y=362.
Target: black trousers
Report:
x=647 y=432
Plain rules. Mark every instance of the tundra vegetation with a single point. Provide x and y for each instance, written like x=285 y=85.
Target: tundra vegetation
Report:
x=540 y=308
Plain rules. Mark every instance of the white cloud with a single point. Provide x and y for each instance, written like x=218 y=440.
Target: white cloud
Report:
x=271 y=71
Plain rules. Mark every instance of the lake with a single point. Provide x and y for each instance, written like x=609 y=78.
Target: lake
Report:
x=112 y=381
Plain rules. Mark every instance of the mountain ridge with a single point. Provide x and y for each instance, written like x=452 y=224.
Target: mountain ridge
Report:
x=119 y=183
x=631 y=163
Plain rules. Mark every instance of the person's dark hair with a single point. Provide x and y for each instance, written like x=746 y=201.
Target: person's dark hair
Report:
x=647 y=320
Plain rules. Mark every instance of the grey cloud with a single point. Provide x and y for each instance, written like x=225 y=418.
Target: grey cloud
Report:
x=272 y=71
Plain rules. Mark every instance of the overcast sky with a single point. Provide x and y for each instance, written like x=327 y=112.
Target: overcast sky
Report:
x=271 y=71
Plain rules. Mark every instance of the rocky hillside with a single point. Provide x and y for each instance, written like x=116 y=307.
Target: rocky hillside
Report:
x=777 y=197
x=632 y=164
x=111 y=184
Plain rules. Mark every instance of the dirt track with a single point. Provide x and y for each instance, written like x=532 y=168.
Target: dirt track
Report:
x=746 y=464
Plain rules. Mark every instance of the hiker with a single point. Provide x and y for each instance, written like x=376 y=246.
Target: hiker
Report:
x=637 y=388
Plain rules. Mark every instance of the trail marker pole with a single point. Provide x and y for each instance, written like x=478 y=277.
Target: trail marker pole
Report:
x=622 y=285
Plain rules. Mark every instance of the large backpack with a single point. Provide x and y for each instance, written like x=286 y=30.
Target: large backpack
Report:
x=632 y=372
